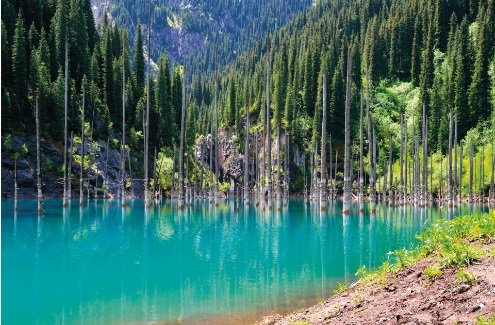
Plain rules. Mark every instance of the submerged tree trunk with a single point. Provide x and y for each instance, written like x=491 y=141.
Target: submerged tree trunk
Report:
x=147 y=201
x=154 y=196
x=347 y=146
x=105 y=186
x=217 y=142
x=69 y=174
x=81 y=175
x=471 y=168
x=391 y=198
x=172 y=190
x=361 y=154
x=181 y=150
x=371 y=148
x=455 y=161
x=330 y=176
x=268 y=133
x=16 y=190
x=449 y=157
x=123 y=129
x=323 y=181
x=460 y=172
x=65 y=199
x=286 y=168
x=246 y=160
x=38 y=159
x=210 y=192
x=257 y=178
x=279 y=165
x=401 y=162
x=425 y=160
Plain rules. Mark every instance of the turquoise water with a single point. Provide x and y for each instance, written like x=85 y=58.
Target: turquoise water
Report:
x=104 y=264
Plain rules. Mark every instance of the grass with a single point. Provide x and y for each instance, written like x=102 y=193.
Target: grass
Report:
x=452 y=243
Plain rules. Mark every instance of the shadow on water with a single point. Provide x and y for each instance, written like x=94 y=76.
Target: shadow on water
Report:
x=107 y=264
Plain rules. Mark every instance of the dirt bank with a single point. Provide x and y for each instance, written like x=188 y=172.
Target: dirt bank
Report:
x=410 y=297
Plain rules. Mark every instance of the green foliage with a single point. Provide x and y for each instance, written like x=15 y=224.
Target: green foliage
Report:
x=433 y=272
x=340 y=288
x=463 y=276
x=482 y=320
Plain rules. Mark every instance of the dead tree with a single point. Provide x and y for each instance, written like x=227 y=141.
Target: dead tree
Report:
x=371 y=145
x=471 y=168
x=172 y=190
x=425 y=169
x=391 y=199
x=268 y=133
x=123 y=128
x=81 y=175
x=105 y=187
x=449 y=157
x=217 y=142
x=455 y=161
x=279 y=183
x=323 y=181
x=347 y=146
x=460 y=172
x=147 y=201
x=69 y=176
x=65 y=199
x=246 y=159
x=38 y=159
x=361 y=152
x=401 y=162
x=181 y=150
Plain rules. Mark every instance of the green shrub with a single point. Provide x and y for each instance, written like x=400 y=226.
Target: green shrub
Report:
x=433 y=272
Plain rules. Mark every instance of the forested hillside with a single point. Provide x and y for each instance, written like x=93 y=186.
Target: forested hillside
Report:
x=418 y=53
x=197 y=32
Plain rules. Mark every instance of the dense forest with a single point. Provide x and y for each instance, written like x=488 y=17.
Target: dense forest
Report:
x=412 y=56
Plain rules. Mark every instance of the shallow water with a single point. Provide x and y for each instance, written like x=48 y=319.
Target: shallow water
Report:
x=104 y=264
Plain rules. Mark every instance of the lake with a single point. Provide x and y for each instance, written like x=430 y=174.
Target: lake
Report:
x=104 y=264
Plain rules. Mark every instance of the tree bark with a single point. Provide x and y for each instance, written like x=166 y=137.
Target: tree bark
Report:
x=347 y=146
x=38 y=159
x=323 y=181
x=425 y=158
x=449 y=157
x=81 y=175
x=401 y=161
x=217 y=141
x=69 y=176
x=391 y=198
x=105 y=187
x=123 y=128
x=279 y=165
x=246 y=160
x=471 y=169
x=371 y=148
x=268 y=133
x=65 y=199
x=361 y=152
x=181 y=150
x=147 y=202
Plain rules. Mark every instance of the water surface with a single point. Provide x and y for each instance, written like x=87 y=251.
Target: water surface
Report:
x=104 y=264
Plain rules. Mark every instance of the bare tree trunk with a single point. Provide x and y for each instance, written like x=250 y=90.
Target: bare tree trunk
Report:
x=69 y=168
x=371 y=148
x=268 y=133
x=257 y=179
x=154 y=196
x=105 y=187
x=482 y=172
x=455 y=160
x=181 y=150
x=286 y=168
x=449 y=157
x=460 y=172
x=330 y=170
x=246 y=160
x=347 y=156
x=305 y=180
x=431 y=179
x=361 y=153
x=65 y=199
x=323 y=181
x=147 y=202
x=440 y=196
x=16 y=189
x=81 y=175
x=335 y=174
x=123 y=128
x=210 y=193
x=172 y=190
x=401 y=161
x=217 y=143
x=201 y=179
x=471 y=169
x=425 y=176
x=406 y=165
x=391 y=198
x=38 y=159
x=279 y=165
x=130 y=172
